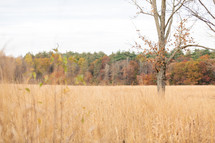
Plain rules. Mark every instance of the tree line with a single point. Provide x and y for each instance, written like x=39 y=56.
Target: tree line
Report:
x=121 y=68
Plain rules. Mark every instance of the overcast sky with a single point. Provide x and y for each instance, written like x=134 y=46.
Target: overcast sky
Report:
x=76 y=25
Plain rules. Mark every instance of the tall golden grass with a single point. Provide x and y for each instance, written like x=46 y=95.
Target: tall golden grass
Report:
x=81 y=114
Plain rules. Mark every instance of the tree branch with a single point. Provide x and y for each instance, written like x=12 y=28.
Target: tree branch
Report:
x=156 y=17
x=141 y=9
x=173 y=13
x=196 y=14
x=170 y=24
x=207 y=9
x=199 y=46
x=172 y=56
x=184 y=47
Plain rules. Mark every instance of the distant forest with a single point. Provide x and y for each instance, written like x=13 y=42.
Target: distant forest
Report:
x=121 y=68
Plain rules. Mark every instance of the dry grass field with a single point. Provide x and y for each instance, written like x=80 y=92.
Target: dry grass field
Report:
x=121 y=114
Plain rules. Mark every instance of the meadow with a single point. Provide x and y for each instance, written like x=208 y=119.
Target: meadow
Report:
x=106 y=114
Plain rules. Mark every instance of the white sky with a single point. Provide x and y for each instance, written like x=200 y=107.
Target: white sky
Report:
x=77 y=25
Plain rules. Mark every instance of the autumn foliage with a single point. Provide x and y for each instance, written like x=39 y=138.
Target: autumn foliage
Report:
x=121 y=68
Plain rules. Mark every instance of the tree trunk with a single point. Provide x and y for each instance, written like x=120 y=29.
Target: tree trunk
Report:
x=161 y=78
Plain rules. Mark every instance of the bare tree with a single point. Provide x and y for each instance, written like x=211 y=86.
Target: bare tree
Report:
x=163 y=13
